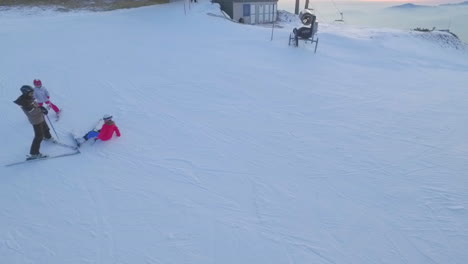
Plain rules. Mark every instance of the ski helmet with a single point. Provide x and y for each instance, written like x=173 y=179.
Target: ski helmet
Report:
x=25 y=89
x=37 y=83
x=107 y=117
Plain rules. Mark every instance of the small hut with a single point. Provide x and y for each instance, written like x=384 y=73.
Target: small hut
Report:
x=250 y=11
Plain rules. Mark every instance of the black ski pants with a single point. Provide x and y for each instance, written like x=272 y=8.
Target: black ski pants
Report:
x=41 y=131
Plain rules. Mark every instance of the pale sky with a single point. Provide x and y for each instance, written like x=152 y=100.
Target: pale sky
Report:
x=406 y=1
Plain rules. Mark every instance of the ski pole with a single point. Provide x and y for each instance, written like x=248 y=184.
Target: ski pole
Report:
x=50 y=123
x=97 y=124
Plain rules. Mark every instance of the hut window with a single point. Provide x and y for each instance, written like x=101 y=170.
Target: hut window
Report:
x=246 y=10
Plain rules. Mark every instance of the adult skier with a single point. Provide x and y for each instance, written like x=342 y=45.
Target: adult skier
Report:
x=105 y=133
x=43 y=97
x=35 y=114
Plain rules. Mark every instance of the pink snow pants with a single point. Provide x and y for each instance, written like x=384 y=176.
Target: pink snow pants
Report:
x=54 y=107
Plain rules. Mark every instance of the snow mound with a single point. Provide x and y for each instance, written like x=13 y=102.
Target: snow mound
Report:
x=287 y=17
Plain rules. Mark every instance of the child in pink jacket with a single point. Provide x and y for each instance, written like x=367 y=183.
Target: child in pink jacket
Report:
x=108 y=129
x=105 y=133
x=42 y=96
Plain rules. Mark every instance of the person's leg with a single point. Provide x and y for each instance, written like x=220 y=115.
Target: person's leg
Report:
x=36 y=143
x=296 y=38
x=46 y=130
x=91 y=134
x=54 y=107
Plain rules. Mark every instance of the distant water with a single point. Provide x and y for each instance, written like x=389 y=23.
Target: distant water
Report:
x=377 y=14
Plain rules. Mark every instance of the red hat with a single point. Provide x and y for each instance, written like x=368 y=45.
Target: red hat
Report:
x=37 y=83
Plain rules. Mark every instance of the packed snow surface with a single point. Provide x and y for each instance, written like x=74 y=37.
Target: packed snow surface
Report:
x=235 y=148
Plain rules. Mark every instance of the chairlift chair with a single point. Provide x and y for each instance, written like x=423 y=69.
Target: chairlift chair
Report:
x=341 y=19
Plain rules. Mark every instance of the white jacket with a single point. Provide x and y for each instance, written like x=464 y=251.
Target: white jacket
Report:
x=41 y=94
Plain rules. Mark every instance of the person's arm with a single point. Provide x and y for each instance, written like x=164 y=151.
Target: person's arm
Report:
x=101 y=132
x=117 y=131
x=30 y=107
x=26 y=105
x=46 y=92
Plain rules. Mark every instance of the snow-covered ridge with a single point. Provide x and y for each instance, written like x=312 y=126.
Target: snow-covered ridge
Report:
x=441 y=38
x=409 y=6
x=416 y=6
x=455 y=4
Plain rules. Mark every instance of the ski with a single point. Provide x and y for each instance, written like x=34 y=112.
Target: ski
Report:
x=44 y=158
x=77 y=139
x=56 y=142
x=77 y=142
x=65 y=145
x=29 y=157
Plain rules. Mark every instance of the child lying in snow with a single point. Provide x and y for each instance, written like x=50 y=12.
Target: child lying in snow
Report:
x=105 y=133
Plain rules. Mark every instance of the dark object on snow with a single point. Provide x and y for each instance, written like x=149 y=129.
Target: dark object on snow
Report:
x=307 y=34
x=424 y=29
